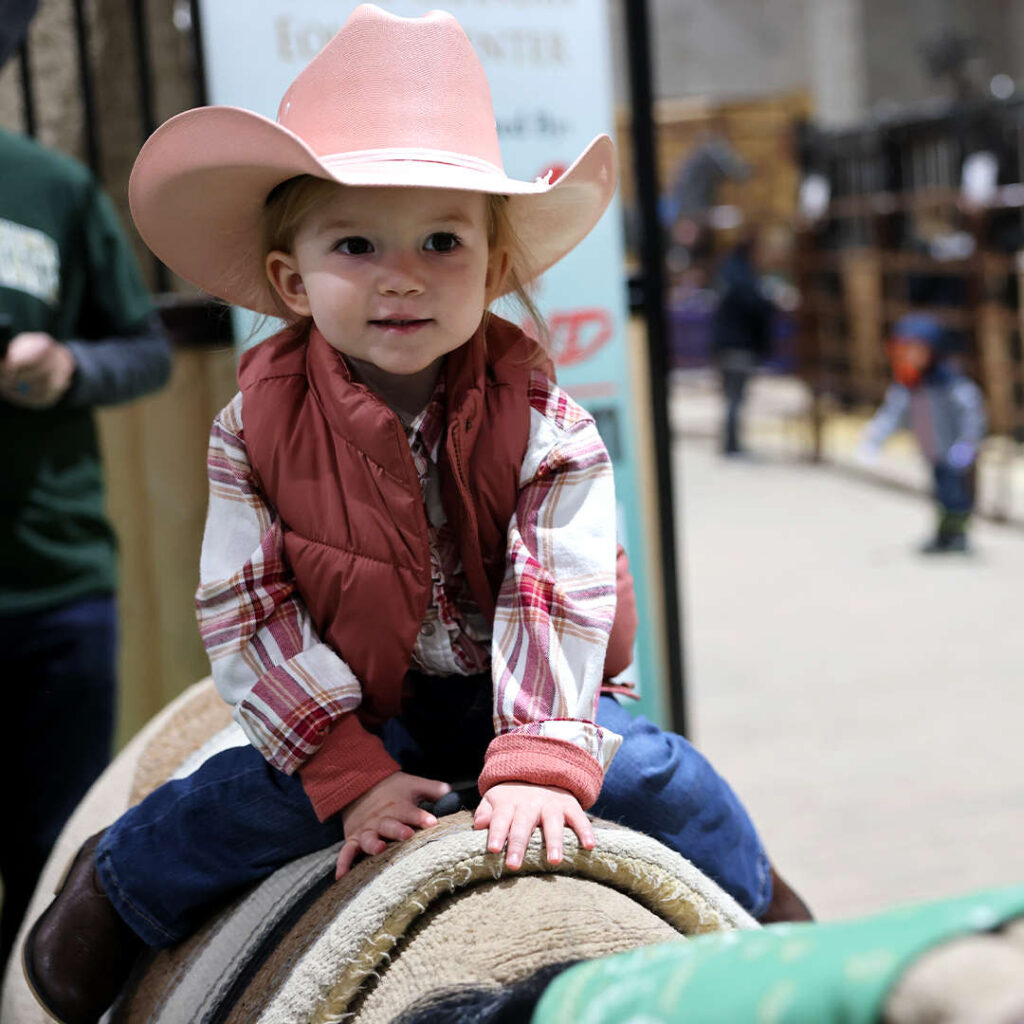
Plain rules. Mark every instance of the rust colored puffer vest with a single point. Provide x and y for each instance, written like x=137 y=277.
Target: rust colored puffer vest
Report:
x=334 y=461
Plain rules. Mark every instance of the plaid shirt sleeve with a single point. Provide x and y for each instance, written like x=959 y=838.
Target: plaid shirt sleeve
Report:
x=556 y=606
x=288 y=688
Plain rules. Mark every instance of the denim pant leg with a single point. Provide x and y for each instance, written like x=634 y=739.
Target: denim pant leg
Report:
x=735 y=367
x=59 y=672
x=195 y=842
x=953 y=489
x=659 y=784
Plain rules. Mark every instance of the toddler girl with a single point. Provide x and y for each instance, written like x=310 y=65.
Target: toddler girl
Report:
x=408 y=578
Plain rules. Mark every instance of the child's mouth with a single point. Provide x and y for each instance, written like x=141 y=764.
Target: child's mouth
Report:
x=402 y=325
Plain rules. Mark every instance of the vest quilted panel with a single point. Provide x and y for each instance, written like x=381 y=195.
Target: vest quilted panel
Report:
x=333 y=460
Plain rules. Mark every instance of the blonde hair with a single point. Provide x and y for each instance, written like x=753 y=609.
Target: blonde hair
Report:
x=293 y=200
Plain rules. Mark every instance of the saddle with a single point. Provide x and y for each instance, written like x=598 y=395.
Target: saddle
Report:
x=433 y=913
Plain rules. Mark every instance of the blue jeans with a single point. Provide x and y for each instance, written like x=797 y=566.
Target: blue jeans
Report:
x=954 y=490
x=60 y=685
x=736 y=367
x=195 y=842
x=658 y=783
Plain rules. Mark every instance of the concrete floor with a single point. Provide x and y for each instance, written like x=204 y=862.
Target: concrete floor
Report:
x=864 y=701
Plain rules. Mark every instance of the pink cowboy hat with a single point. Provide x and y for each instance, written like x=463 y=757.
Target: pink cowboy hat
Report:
x=388 y=101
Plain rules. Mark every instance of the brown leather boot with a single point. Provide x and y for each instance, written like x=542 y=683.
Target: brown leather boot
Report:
x=80 y=952
x=786 y=905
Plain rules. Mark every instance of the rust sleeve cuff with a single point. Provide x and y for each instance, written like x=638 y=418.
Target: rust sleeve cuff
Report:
x=544 y=762
x=349 y=762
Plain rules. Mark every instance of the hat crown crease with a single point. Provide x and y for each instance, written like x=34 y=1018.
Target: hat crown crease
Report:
x=355 y=96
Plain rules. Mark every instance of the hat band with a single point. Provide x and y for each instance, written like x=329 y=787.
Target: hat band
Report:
x=431 y=156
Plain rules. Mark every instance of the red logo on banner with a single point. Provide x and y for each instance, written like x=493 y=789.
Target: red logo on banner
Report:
x=578 y=333
x=555 y=170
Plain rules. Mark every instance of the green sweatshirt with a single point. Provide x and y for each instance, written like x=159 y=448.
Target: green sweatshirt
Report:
x=67 y=270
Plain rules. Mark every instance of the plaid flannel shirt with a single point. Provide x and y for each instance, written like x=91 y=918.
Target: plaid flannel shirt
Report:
x=554 y=609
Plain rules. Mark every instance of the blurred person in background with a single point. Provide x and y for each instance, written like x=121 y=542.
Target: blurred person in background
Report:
x=77 y=330
x=689 y=206
x=740 y=332
x=945 y=410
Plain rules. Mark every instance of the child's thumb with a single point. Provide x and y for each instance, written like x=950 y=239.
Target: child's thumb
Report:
x=435 y=788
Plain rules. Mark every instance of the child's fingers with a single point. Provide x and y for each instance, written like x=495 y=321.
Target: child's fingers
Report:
x=497 y=831
x=482 y=814
x=553 y=823
x=431 y=789
x=392 y=828
x=346 y=857
x=369 y=841
x=410 y=814
x=407 y=812
x=519 y=836
x=580 y=824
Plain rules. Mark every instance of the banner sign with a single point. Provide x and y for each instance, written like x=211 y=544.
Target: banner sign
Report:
x=549 y=66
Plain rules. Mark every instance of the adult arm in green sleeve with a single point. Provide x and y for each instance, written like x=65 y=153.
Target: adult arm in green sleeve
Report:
x=120 y=346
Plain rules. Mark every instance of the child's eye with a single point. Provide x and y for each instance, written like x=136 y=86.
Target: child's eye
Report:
x=354 y=246
x=442 y=241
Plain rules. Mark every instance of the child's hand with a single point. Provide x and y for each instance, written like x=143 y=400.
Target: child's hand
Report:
x=512 y=810
x=961 y=455
x=387 y=811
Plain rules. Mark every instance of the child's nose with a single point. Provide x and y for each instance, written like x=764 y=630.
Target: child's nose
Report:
x=400 y=276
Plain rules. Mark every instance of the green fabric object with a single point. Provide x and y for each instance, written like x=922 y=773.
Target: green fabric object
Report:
x=783 y=974
x=65 y=269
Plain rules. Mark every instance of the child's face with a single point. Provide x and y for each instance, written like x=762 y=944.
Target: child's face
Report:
x=910 y=359
x=395 y=277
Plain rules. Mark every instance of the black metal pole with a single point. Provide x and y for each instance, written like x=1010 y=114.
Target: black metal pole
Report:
x=28 y=97
x=147 y=106
x=646 y=171
x=92 y=142
x=198 y=57
x=143 y=67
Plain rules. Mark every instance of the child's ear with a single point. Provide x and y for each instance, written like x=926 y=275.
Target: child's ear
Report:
x=498 y=264
x=283 y=272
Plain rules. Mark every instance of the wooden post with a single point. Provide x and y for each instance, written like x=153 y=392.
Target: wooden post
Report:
x=862 y=292
x=809 y=362
x=997 y=372
x=155 y=456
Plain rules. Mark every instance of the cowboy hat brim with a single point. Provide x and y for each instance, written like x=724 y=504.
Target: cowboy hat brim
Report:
x=199 y=185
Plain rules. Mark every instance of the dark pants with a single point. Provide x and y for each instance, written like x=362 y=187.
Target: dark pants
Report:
x=954 y=488
x=735 y=367
x=59 y=686
x=197 y=841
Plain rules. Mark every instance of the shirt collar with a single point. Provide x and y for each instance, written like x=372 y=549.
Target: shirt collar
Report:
x=428 y=426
